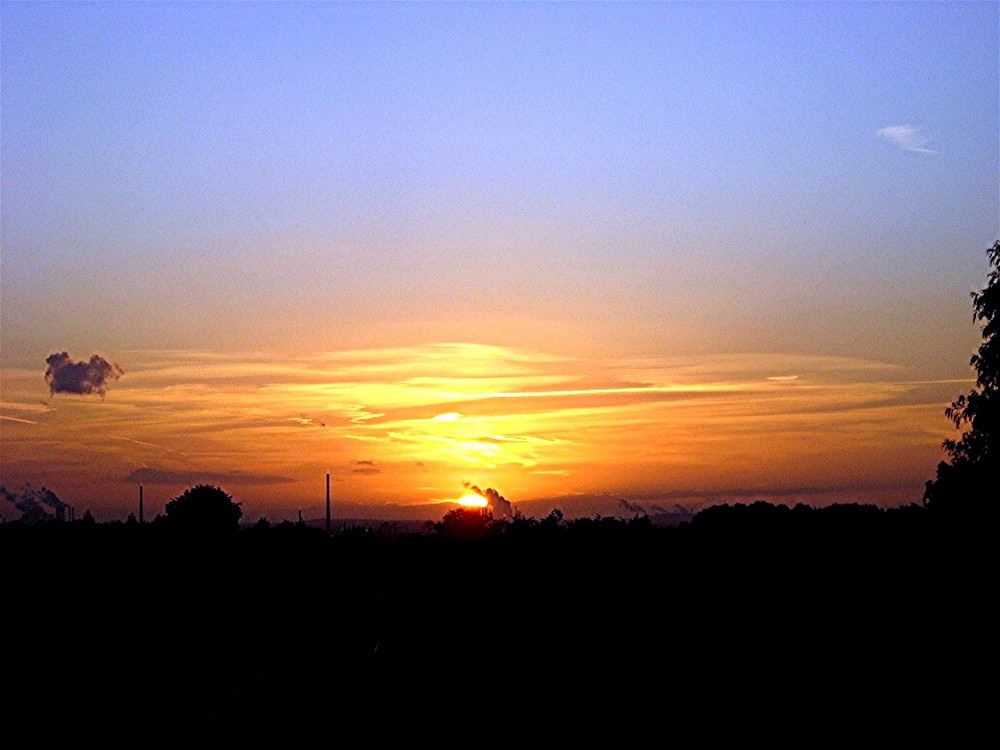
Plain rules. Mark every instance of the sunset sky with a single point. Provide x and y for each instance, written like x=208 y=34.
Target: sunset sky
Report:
x=667 y=253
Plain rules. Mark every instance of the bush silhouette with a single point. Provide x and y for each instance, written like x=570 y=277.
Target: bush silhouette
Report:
x=204 y=508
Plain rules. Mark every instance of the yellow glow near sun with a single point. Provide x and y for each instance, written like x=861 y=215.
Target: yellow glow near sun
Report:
x=472 y=500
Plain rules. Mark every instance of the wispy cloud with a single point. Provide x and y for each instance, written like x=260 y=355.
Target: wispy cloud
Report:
x=150 y=475
x=35 y=407
x=16 y=419
x=147 y=445
x=907 y=137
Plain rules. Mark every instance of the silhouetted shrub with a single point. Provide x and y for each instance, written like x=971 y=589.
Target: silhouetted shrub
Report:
x=204 y=509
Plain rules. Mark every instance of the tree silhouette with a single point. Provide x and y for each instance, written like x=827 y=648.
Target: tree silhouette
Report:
x=973 y=469
x=203 y=508
x=468 y=524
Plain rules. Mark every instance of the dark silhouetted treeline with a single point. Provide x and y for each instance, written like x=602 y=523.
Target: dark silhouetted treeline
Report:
x=747 y=616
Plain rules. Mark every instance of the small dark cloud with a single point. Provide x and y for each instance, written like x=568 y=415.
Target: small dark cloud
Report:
x=82 y=378
x=365 y=467
x=166 y=476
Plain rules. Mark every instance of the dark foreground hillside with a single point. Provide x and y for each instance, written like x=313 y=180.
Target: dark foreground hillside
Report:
x=754 y=620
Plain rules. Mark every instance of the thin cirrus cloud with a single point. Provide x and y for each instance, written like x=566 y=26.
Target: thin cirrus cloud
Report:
x=907 y=137
x=149 y=475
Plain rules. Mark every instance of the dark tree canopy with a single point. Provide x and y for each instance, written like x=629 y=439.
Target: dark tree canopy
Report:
x=468 y=524
x=971 y=474
x=204 y=508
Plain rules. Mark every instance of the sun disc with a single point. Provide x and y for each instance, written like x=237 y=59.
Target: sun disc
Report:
x=472 y=500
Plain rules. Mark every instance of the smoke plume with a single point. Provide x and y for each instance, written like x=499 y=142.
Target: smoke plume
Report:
x=93 y=376
x=500 y=506
x=31 y=503
x=680 y=510
x=632 y=507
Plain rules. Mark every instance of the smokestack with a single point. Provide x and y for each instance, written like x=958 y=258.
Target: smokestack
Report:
x=140 y=503
x=327 y=502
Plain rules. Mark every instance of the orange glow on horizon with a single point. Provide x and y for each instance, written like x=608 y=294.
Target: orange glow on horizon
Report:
x=406 y=426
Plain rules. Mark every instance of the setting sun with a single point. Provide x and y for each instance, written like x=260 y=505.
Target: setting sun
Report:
x=472 y=500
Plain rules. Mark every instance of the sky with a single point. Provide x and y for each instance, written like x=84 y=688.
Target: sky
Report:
x=665 y=253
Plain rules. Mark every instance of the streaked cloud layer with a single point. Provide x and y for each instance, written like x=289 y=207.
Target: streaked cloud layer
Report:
x=413 y=425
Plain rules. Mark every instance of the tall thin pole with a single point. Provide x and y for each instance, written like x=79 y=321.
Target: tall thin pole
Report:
x=140 y=503
x=327 y=502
